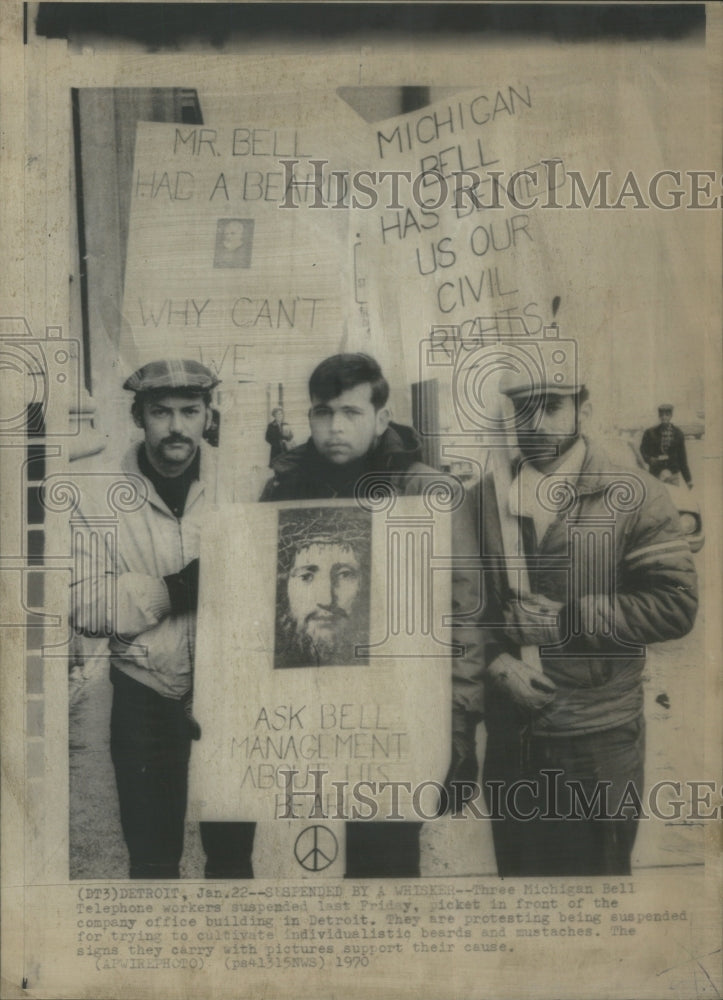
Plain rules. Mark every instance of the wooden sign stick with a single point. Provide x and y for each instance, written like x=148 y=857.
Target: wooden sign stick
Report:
x=518 y=580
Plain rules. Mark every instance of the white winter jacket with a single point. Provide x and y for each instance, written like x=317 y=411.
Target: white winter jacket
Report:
x=121 y=558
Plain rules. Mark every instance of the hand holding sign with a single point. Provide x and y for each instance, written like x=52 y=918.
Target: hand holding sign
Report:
x=526 y=685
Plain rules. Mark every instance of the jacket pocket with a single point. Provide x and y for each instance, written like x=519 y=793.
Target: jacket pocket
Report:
x=581 y=672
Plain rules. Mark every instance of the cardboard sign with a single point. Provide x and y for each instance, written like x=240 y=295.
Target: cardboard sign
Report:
x=321 y=649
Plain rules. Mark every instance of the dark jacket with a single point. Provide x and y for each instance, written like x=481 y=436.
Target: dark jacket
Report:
x=652 y=596
x=651 y=448
x=304 y=474
x=274 y=438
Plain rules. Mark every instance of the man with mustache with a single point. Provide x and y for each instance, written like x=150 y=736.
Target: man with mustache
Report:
x=609 y=571
x=148 y=613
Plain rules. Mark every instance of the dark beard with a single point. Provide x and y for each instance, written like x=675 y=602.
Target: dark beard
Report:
x=547 y=448
x=296 y=648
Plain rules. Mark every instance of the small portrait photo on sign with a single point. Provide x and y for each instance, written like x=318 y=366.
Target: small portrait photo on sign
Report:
x=323 y=587
x=234 y=240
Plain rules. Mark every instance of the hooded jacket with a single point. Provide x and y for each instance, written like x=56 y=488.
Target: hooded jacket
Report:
x=121 y=593
x=652 y=595
x=304 y=474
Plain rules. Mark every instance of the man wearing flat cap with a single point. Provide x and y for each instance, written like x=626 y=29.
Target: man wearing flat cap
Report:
x=150 y=619
x=663 y=449
x=606 y=570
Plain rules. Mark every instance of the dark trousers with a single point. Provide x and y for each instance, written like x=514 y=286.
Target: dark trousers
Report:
x=228 y=848
x=150 y=747
x=373 y=850
x=552 y=841
x=382 y=850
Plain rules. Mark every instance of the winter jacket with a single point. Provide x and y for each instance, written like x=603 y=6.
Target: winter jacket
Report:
x=677 y=461
x=304 y=474
x=146 y=641
x=653 y=597
x=275 y=439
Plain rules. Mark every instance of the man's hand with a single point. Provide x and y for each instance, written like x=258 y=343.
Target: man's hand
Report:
x=193 y=728
x=532 y=620
x=526 y=686
x=183 y=588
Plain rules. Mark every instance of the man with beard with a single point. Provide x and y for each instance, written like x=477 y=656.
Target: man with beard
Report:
x=566 y=720
x=323 y=599
x=149 y=616
x=233 y=243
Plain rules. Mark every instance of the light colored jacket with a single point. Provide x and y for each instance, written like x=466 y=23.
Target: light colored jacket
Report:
x=120 y=592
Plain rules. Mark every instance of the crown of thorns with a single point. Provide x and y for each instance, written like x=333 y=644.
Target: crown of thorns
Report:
x=324 y=526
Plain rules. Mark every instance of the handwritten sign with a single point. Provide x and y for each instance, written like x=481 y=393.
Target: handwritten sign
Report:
x=360 y=695
x=215 y=269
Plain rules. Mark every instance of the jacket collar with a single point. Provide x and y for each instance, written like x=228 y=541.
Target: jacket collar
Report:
x=205 y=484
x=397 y=448
x=596 y=469
x=594 y=476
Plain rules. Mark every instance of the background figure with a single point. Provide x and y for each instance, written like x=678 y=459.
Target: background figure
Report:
x=275 y=435
x=663 y=449
x=322 y=600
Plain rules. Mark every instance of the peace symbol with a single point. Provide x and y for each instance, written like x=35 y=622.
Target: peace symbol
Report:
x=316 y=848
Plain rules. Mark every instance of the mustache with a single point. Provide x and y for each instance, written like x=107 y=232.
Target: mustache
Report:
x=176 y=439
x=336 y=613
x=540 y=441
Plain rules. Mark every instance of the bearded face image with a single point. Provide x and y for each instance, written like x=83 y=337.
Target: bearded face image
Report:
x=324 y=601
x=323 y=591
x=234 y=241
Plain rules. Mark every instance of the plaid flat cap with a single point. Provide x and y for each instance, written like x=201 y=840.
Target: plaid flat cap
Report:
x=183 y=374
